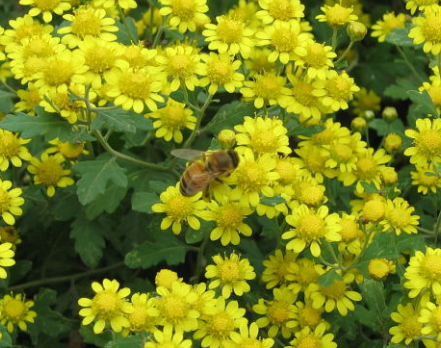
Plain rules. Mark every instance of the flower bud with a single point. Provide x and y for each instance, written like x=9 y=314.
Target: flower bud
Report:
x=380 y=268
x=392 y=142
x=356 y=31
x=359 y=124
x=374 y=210
x=369 y=115
x=227 y=138
x=389 y=114
x=389 y=176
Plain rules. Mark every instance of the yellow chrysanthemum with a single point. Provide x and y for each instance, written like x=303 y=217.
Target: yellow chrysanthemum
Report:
x=179 y=209
x=430 y=317
x=49 y=171
x=365 y=101
x=9 y=234
x=138 y=56
x=12 y=150
x=87 y=21
x=426 y=147
x=317 y=61
x=184 y=14
x=25 y=27
x=386 y=24
x=231 y=274
x=433 y=88
x=258 y=62
x=10 y=202
x=280 y=10
x=168 y=338
x=336 y=16
x=309 y=227
x=317 y=337
x=380 y=268
x=314 y=159
x=426 y=179
x=278 y=270
x=421 y=5
x=47 y=7
x=166 y=278
x=408 y=328
x=424 y=272
x=15 y=311
x=399 y=217
x=351 y=235
x=426 y=30
x=230 y=35
x=6 y=258
x=29 y=99
x=308 y=315
x=248 y=337
x=70 y=151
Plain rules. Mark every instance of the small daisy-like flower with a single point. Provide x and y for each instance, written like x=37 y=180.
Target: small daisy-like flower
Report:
x=336 y=296
x=424 y=272
x=365 y=101
x=109 y=4
x=166 y=278
x=179 y=209
x=182 y=64
x=287 y=40
x=426 y=179
x=374 y=210
x=351 y=235
x=433 y=88
x=278 y=270
x=16 y=311
x=220 y=70
x=12 y=150
x=229 y=216
x=108 y=306
x=279 y=314
x=138 y=56
x=307 y=272
x=308 y=315
x=47 y=7
x=185 y=14
x=426 y=147
x=87 y=21
x=29 y=99
x=318 y=60
x=280 y=10
x=408 y=328
x=309 y=192
x=171 y=120
x=166 y=338
x=314 y=159
x=343 y=155
x=231 y=274
x=248 y=337
x=381 y=268
x=216 y=328
x=317 y=337
x=430 y=317
x=25 y=27
x=229 y=35
x=263 y=135
x=258 y=62
x=144 y=315
x=399 y=217
x=10 y=202
x=135 y=88
x=266 y=89
x=70 y=151
x=205 y=300
x=310 y=227
x=426 y=30
x=386 y=24
x=49 y=171
x=421 y=5
x=175 y=307
x=6 y=258
x=9 y=234
x=336 y=16
x=252 y=177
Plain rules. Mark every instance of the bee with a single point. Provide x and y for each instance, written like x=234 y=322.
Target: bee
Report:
x=204 y=168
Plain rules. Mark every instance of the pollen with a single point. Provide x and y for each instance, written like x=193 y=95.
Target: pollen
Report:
x=179 y=208
x=340 y=87
x=230 y=30
x=58 y=73
x=302 y=92
x=310 y=316
x=14 y=309
x=284 y=40
x=267 y=87
x=281 y=9
x=278 y=312
x=138 y=317
x=287 y=170
x=221 y=325
x=367 y=168
x=251 y=343
x=432 y=266
x=342 y=152
x=86 y=23
x=311 y=195
x=432 y=29
x=230 y=215
x=311 y=225
x=135 y=85
x=411 y=326
x=99 y=58
x=46 y=4
x=430 y=142
x=229 y=271
x=252 y=177
x=38 y=46
x=263 y=140
x=180 y=65
x=316 y=55
x=183 y=8
x=175 y=117
x=338 y=16
x=310 y=341
x=106 y=303
x=174 y=308
x=49 y=172
x=9 y=145
x=336 y=290
x=220 y=72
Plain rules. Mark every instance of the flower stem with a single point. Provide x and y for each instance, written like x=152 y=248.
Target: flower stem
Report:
x=198 y=122
x=334 y=39
x=200 y=258
x=409 y=64
x=9 y=88
x=345 y=53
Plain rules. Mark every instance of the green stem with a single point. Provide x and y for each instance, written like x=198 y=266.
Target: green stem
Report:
x=437 y=226
x=186 y=99
x=409 y=64
x=424 y=230
x=198 y=122
x=334 y=39
x=9 y=88
x=345 y=53
x=332 y=252
x=71 y=277
x=200 y=257
x=129 y=32
x=158 y=36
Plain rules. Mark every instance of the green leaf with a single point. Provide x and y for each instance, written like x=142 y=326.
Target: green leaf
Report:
x=126 y=342
x=373 y=294
x=369 y=187
x=194 y=236
x=6 y=340
x=382 y=245
x=107 y=202
x=423 y=99
x=90 y=337
x=229 y=115
x=143 y=201
x=158 y=186
x=141 y=122
x=366 y=317
x=166 y=247
x=116 y=120
x=96 y=175
x=329 y=277
x=6 y=103
x=305 y=131
x=399 y=90
x=400 y=37
x=89 y=243
x=272 y=201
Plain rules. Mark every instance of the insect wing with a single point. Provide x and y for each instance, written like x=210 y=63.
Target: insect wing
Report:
x=187 y=154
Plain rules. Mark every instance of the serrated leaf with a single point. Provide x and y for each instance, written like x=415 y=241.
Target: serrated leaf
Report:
x=107 y=202
x=126 y=342
x=141 y=122
x=96 y=175
x=373 y=294
x=116 y=120
x=400 y=37
x=369 y=187
x=272 y=201
x=412 y=242
x=305 y=131
x=366 y=317
x=423 y=99
x=229 y=115
x=143 y=201
x=399 y=90
x=6 y=103
x=166 y=248
x=6 y=340
x=328 y=278
x=381 y=246
x=89 y=242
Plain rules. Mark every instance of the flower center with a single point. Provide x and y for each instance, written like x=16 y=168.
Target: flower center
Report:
x=284 y=40
x=46 y=4
x=106 y=303
x=399 y=217
x=310 y=316
x=432 y=266
x=432 y=29
x=311 y=226
x=316 y=55
x=336 y=290
x=70 y=150
x=310 y=194
x=337 y=15
x=366 y=168
x=411 y=326
x=339 y=87
x=288 y=171
x=221 y=325
x=230 y=215
x=310 y=341
x=86 y=23
x=135 y=85
x=58 y=73
x=180 y=65
x=230 y=30
x=252 y=177
x=264 y=140
x=219 y=72
x=9 y=145
x=14 y=309
x=267 y=87
x=280 y=9
x=179 y=208
x=139 y=316
x=430 y=142
x=99 y=58
x=174 y=117
x=38 y=46
x=251 y=343
x=174 y=308
x=183 y=8
x=302 y=92
x=342 y=152
x=349 y=230
x=229 y=271
x=278 y=312
x=28 y=30
x=49 y=172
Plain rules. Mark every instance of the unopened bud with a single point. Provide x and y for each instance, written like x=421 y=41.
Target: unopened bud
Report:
x=369 y=115
x=359 y=124
x=393 y=142
x=227 y=138
x=389 y=114
x=356 y=31
x=389 y=176
x=374 y=210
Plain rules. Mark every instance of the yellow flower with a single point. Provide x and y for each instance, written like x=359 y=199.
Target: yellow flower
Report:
x=422 y=5
x=135 y=88
x=12 y=150
x=229 y=35
x=25 y=27
x=179 y=209
x=182 y=64
x=310 y=227
x=387 y=24
x=184 y=14
x=15 y=310
x=427 y=142
x=280 y=10
x=171 y=119
x=318 y=337
x=112 y=4
x=408 y=328
x=144 y=315
x=314 y=159
x=10 y=202
x=286 y=38
x=166 y=278
x=351 y=235
x=430 y=317
x=231 y=274
x=278 y=270
x=109 y=305
x=175 y=307
x=426 y=179
x=138 y=56
x=248 y=337
x=46 y=7
x=381 y=268
x=424 y=272
x=309 y=316
x=399 y=217
x=87 y=21
x=365 y=101
x=426 y=30
x=9 y=234
x=336 y=16
x=166 y=338
x=258 y=62
x=220 y=70
x=29 y=99
x=280 y=314
x=70 y=151
x=307 y=273
x=433 y=88
x=6 y=258
x=317 y=61
x=49 y=171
